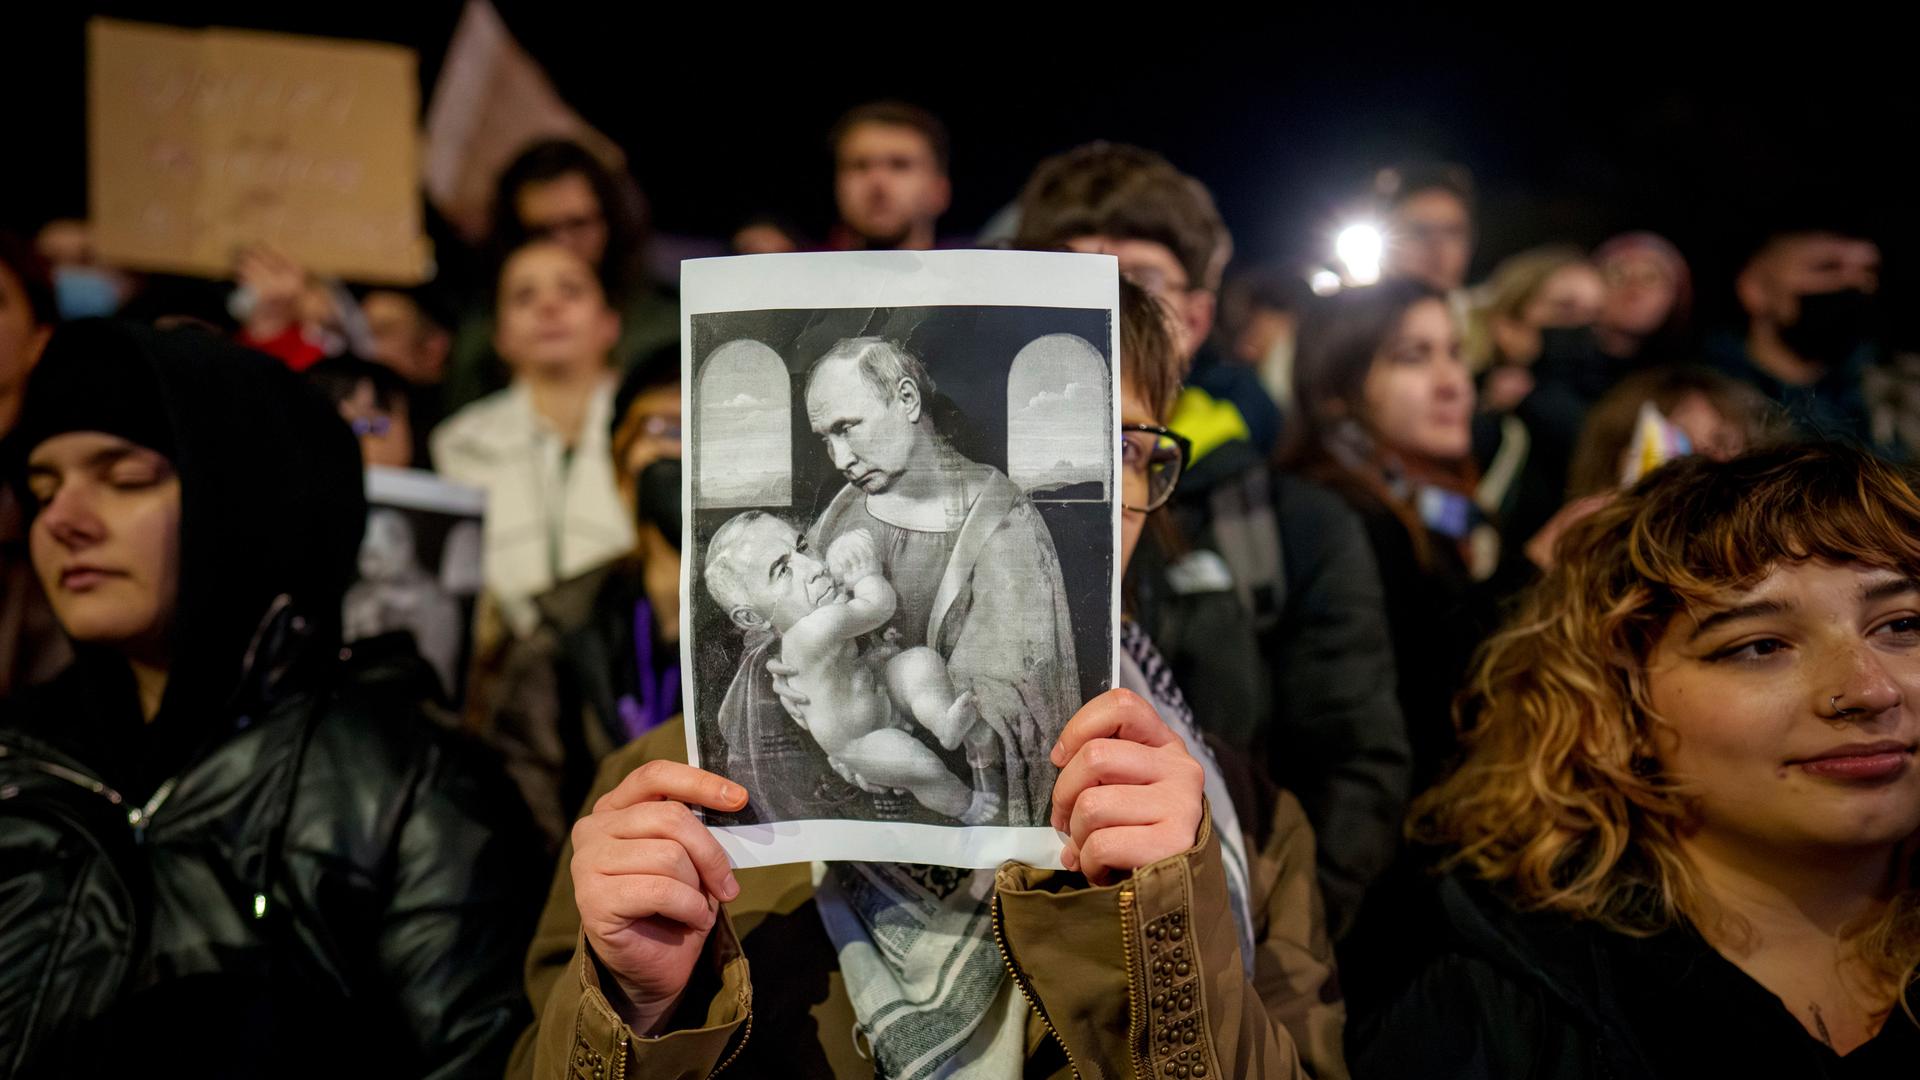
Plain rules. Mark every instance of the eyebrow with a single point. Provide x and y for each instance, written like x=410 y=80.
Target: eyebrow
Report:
x=1890 y=588
x=101 y=458
x=1883 y=590
x=1736 y=613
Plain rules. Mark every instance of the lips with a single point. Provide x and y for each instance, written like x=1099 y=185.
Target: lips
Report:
x=1857 y=762
x=81 y=579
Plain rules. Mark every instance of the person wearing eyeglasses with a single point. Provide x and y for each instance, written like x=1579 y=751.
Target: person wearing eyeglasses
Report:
x=372 y=399
x=1185 y=938
x=558 y=191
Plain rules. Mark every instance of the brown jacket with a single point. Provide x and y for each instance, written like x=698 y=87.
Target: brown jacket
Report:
x=1141 y=978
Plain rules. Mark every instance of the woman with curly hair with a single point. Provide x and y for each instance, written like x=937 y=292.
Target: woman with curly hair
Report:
x=1682 y=842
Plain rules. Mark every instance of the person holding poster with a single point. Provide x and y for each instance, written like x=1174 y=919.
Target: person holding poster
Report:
x=1184 y=939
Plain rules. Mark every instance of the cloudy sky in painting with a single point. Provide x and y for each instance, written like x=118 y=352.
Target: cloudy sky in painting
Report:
x=742 y=438
x=1059 y=413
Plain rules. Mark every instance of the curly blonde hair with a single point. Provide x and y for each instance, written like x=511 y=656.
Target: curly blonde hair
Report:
x=1560 y=800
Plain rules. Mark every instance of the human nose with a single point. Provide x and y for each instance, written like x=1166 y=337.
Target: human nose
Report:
x=841 y=453
x=69 y=517
x=1857 y=686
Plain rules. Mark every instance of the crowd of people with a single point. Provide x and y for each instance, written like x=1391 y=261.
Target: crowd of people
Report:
x=1513 y=673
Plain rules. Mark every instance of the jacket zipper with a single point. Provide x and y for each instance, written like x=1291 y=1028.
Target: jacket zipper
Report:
x=71 y=776
x=1020 y=983
x=1137 y=976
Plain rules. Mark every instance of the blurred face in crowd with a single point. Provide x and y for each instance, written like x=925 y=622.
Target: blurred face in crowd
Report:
x=1431 y=239
x=565 y=211
x=1571 y=296
x=386 y=436
x=1154 y=267
x=106 y=543
x=21 y=339
x=1744 y=691
x=1418 y=394
x=763 y=238
x=870 y=439
x=1791 y=267
x=404 y=339
x=553 y=320
x=889 y=186
x=1640 y=293
x=1709 y=431
x=655 y=416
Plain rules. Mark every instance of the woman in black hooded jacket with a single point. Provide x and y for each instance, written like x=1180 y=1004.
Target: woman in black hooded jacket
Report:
x=226 y=847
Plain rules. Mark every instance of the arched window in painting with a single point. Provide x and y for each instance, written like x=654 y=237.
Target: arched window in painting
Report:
x=1060 y=440
x=743 y=444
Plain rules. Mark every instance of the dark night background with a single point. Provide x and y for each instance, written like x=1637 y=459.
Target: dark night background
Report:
x=1578 y=121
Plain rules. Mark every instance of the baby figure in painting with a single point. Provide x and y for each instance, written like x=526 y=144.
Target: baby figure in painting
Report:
x=762 y=572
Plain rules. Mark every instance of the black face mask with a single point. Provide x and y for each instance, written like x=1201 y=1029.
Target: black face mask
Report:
x=658 y=501
x=1832 y=326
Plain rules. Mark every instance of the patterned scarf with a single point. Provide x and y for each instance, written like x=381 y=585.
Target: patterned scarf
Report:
x=915 y=943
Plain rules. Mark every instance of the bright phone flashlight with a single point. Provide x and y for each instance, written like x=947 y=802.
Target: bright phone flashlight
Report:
x=1360 y=247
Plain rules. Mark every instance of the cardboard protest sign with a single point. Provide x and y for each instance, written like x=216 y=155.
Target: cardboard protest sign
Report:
x=201 y=142
x=903 y=481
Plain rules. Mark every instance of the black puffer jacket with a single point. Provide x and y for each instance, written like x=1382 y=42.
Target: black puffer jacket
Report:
x=289 y=870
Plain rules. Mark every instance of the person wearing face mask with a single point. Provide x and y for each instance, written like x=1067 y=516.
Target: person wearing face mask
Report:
x=82 y=288
x=603 y=667
x=32 y=648
x=539 y=447
x=1809 y=295
x=229 y=849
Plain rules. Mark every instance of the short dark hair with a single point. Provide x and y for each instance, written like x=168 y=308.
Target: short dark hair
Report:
x=621 y=203
x=894 y=114
x=1395 y=184
x=430 y=301
x=1149 y=362
x=1112 y=189
x=656 y=369
x=339 y=377
x=35 y=279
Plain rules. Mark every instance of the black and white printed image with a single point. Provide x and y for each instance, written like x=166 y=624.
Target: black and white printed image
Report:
x=901 y=583
x=419 y=571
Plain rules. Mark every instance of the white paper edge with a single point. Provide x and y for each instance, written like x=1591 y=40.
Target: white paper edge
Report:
x=417 y=489
x=832 y=840
x=897 y=280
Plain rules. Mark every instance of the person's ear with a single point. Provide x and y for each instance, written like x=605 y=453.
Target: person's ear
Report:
x=1754 y=292
x=436 y=345
x=940 y=198
x=910 y=403
x=747 y=619
x=608 y=327
x=1198 y=311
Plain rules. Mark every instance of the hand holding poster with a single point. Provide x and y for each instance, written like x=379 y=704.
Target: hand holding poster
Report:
x=902 y=577
x=202 y=142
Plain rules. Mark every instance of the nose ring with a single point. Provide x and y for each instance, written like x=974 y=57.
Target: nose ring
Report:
x=1834 y=703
